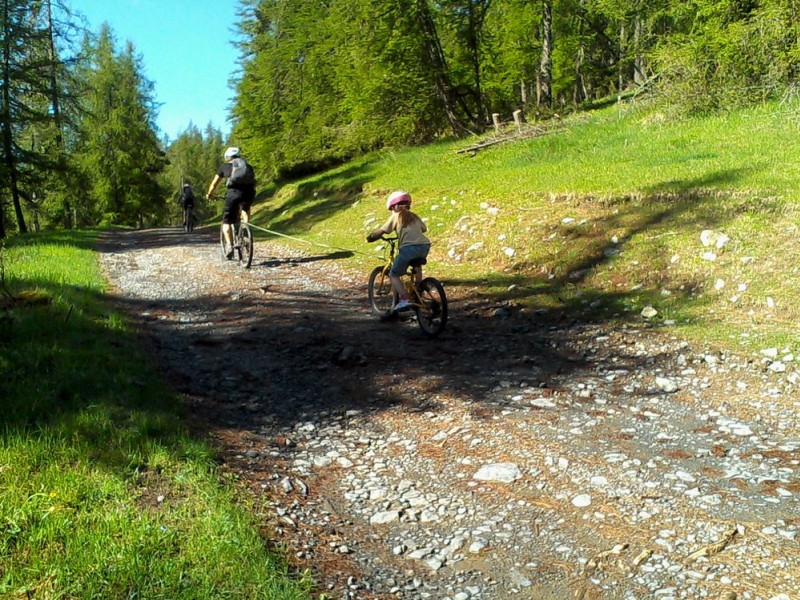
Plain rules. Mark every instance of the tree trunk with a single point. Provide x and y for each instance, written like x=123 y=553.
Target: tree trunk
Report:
x=55 y=101
x=639 y=61
x=545 y=87
x=433 y=47
x=621 y=61
x=8 y=134
x=579 y=93
x=477 y=17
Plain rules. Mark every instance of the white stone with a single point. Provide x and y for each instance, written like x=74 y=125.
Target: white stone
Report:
x=648 y=312
x=383 y=518
x=502 y=472
x=542 y=403
x=717 y=239
x=582 y=500
x=476 y=546
x=666 y=385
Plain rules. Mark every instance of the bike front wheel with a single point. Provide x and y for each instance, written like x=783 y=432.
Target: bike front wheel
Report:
x=432 y=308
x=245 y=246
x=382 y=297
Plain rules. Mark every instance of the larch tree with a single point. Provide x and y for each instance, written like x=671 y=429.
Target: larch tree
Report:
x=119 y=151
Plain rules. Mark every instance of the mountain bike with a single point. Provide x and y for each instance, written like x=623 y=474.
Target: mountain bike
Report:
x=242 y=241
x=428 y=299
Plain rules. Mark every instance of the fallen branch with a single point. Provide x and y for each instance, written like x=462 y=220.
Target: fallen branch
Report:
x=712 y=549
x=529 y=132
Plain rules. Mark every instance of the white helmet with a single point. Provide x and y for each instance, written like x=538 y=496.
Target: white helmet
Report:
x=231 y=152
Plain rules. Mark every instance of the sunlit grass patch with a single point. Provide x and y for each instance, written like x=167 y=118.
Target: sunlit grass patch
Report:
x=103 y=493
x=602 y=217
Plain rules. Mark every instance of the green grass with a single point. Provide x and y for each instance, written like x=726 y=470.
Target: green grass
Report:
x=103 y=493
x=558 y=201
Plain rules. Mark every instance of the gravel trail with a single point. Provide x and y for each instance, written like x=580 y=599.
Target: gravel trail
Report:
x=519 y=455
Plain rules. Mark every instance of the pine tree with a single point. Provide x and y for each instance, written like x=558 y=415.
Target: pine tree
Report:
x=119 y=152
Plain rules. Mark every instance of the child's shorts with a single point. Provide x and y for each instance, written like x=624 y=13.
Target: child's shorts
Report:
x=406 y=255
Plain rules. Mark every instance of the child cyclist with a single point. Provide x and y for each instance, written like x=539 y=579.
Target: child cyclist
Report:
x=410 y=231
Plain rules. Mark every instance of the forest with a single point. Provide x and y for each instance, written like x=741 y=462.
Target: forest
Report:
x=321 y=82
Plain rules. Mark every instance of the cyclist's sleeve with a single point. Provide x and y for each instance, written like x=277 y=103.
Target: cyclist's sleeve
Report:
x=390 y=224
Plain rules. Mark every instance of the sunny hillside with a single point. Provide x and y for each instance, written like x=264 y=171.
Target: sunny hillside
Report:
x=599 y=218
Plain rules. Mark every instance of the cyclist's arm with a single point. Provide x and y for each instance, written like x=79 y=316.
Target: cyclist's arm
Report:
x=374 y=236
x=213 y=186
x=384 y=229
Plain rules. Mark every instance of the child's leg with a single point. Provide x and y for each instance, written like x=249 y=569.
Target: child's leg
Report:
x=398 y=287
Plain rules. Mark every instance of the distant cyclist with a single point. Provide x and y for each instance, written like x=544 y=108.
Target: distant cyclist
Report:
x=239 y=196
x=187 y=202
x=410 y=231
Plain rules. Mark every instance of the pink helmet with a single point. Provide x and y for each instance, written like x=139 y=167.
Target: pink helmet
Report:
x=399 y=197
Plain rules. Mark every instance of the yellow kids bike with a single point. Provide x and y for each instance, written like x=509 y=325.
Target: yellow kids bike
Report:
x=428 y=299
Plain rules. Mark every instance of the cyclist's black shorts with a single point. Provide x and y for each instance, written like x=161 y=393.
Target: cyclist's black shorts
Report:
x=234 y=200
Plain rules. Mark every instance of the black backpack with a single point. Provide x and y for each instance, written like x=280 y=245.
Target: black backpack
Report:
x=242 y=173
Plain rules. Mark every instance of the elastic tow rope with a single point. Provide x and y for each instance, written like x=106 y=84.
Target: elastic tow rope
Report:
x=291 y=237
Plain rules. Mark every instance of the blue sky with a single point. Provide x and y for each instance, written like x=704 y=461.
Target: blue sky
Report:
x=187 y=52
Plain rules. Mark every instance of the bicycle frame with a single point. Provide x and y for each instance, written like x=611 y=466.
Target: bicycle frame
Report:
x=428 y=299
x=408 y=278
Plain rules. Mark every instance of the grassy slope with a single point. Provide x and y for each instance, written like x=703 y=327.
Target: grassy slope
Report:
x=103 y=494
x=560 y=201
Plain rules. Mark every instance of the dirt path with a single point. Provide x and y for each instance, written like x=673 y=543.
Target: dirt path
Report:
x=518 y=455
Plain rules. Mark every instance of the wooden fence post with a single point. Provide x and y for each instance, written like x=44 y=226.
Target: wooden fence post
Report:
x=518 y=119
x=496 y=121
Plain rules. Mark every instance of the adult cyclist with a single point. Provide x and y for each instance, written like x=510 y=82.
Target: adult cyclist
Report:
x=237 y=198
x=187 y=202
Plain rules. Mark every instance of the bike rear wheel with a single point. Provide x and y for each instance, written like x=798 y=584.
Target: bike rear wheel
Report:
x=245 y=246
x=189 y=220
x=432 y=308
x=382 y=296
